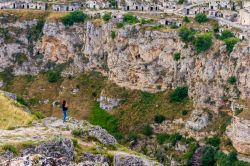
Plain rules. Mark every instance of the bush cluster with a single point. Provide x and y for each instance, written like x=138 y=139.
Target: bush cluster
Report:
x=130 y=19
x=147 y=130
x=106 y=17
x=171 y=138
x=177 y=56
x=200 y=18
x=203 y=42
x=179 y=94
x=159 y=118
x=74 y=17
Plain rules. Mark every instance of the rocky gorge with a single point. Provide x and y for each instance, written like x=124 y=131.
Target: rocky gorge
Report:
x=138 y=57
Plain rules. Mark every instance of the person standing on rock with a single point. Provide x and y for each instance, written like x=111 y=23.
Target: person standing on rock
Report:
x=65 y=110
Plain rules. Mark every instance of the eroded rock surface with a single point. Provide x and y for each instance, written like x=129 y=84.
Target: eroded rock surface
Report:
x=239 y=133
x=198 y=120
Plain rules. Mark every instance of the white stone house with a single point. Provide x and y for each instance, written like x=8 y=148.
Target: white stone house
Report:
x=66 y=7
x=6 y=5
x=195 y=10
x=37 y=5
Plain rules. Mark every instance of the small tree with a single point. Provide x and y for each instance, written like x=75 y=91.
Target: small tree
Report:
x=230 y=43
x=106 y=17
x=226 y=34
x=232 y=80
x=208 y=156
x=203 y=42
x=159 y=118
x=177 y=56
x=201 y=18
x=74 y=17
x=130 y=18
x=147 y=130
x=186 y=19
x=179 y=94
x=186 y=34
x=213 y=141
x=54 y=76
x=113 y=35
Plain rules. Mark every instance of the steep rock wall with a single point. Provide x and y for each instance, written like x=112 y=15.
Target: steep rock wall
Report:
x=137 y=58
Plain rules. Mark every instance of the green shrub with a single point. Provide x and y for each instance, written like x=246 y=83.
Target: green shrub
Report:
x=173 y=26
x=74 y=17
x=184 y=112
x=7 y=75
x=230 y=42
x=53 y=76
x=208 y=156
x=38 y=115
x=216 y=28
x=20 y=58
x=147 y=130
x=107 y=121
x=179 y=94
x=232 y=80
x=146 y=21
x=11 y=148
x=130 y=19
x=203 y=42
x=213 y=141
x=186 y=34
x=232 y=157
x=77 y=132
x=200 y=18
x=119 y=25
x=161 y=138
x=75 y=143
x=113 y=35
x=177 y=56
x=238 y=111
x=132 y=137
x=159 y=118
x=186 y=19
x=21 y=100
x=171 y=138
x=181 y=1
x=226 y=34
x=106 y=17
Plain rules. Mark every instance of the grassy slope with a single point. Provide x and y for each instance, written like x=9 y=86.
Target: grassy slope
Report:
x=12 y=114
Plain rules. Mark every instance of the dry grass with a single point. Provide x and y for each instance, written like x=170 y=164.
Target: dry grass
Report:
x=56 y=16
x=25 y=14
x=12 y=114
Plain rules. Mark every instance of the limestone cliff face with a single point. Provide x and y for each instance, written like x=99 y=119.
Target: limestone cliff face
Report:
x=239 y=132
x=137 y=58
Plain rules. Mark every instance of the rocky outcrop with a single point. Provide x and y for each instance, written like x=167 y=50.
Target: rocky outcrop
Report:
x=131 y=160
x=198 y=120
x=239 y=133
x=102 y=135
x=108 y=103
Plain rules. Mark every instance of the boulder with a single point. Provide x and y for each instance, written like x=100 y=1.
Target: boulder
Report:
x=198 y=120
x=38 y=159
x=102 y=135
x=94 y=159
x=132 y=160
x=57 y=148
x=108 y=103
x=239 y=133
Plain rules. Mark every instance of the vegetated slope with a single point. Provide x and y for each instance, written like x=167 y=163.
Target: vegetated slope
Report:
x=12 y=113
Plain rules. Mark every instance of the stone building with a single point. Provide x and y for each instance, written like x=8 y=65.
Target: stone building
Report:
x=66 y=7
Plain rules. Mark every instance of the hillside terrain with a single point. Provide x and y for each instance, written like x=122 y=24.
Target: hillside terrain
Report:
x=179 y=95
